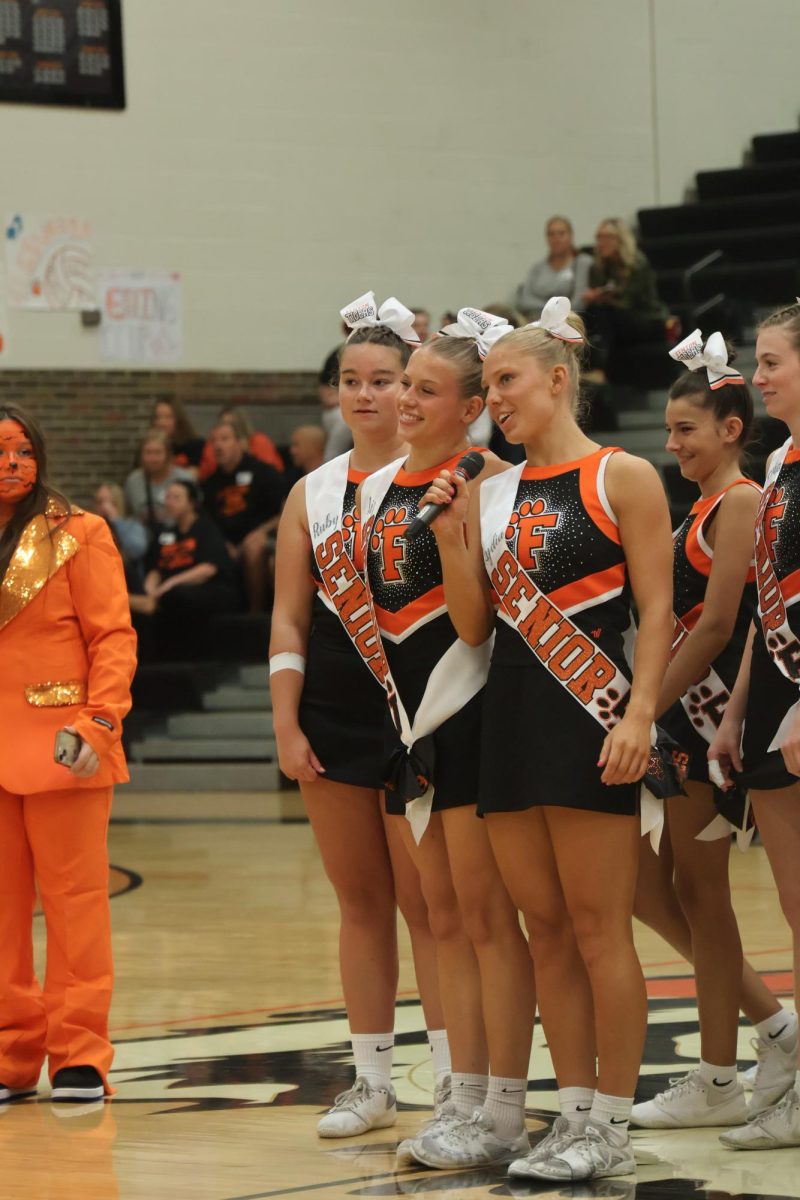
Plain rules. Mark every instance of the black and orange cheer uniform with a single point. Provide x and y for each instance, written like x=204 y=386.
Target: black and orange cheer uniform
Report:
x=771 y=694
x=407 y=587
x=691 y=567
x=539 y=746
x=343 y=706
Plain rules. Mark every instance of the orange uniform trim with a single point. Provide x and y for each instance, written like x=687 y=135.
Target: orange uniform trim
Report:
x=589 y=588
x=590 y=497
x=408 y=618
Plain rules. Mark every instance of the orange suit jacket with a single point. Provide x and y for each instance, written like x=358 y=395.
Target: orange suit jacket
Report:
x=67 y=652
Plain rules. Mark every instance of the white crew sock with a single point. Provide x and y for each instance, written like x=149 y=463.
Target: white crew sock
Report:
x=719 y=1080
x=612 y=1110
x=469 y=1092
x=440 y=1052
x=505 y=1104
x=575 y=1104
x=780 y=1027
x=373 y=1053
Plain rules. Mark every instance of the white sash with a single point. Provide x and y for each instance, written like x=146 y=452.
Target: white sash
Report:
x=570 y=655
x=458 y=676
x=782 y=644
x=343 y=588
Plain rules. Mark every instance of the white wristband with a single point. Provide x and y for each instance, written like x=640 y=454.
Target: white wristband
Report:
x=287 y=662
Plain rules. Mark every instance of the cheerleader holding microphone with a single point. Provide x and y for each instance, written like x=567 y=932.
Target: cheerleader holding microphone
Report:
x=709 y=421
x=327 y=678
x=561 y=541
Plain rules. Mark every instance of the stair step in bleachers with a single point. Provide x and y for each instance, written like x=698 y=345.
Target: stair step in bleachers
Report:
x=204 y=777
x=755 y=282
x=738 y=245
x=732 y=212
x=255 y=675
x=234 y=697
x=254 y=724
x=776 y=147
x=749 y=181
x=206 y=749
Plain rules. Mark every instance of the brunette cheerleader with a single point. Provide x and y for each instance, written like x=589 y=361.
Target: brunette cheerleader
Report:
x=329 y=704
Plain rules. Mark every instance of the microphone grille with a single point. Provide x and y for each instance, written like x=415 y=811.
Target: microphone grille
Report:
x=471 y=464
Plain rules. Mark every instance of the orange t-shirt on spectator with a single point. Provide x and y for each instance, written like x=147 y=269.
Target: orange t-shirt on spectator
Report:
x=260 y=445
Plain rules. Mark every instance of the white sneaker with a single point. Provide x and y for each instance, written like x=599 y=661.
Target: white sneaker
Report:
x=470 y=1143
x=597 y=1153
x=747 y=1078
x=360 y=1108
x=688 y=1103
x=444 y=1115
x=779 y=1126
x=774 y=1073
x=9 y=1093
x=558 y=1136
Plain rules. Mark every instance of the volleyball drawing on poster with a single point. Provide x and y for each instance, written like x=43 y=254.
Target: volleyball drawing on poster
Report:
x=142 y=316
x=49 y=262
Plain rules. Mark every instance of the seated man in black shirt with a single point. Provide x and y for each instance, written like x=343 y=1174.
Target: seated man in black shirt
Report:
x=245 y=497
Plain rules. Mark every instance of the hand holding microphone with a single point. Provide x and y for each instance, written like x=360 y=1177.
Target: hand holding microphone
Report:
x=444 y=491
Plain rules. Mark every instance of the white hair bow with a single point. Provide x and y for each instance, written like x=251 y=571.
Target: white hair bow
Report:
x=554 y=320
x=713 y=356
x=364 y=313
x=484 y=327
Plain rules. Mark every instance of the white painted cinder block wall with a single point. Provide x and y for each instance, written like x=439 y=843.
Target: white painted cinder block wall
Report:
x=290 y=154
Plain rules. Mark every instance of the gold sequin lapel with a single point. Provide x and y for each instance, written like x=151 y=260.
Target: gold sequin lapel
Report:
x=38 y=556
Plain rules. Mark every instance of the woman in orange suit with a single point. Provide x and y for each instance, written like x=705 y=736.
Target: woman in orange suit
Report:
x=67 y=656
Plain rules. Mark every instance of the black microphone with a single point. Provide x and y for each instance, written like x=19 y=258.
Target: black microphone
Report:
x=467 y=467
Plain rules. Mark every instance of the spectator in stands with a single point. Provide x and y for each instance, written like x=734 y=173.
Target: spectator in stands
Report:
x=146 y=486
x=564 y=272
x=306 y=450
x=422 y=323
x=187 y=448
x=129 y=534
x=190 y=572
x=244 y=496
x=622 y=304
x=259 y=444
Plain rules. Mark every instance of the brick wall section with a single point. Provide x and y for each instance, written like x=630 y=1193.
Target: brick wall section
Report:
x=93 y=420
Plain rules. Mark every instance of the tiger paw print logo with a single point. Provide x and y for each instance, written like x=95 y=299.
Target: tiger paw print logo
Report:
x=387 y=541
x=349 y=531
x=527 y=531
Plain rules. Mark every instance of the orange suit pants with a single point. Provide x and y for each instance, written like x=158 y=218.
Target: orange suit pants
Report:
x=56 y=840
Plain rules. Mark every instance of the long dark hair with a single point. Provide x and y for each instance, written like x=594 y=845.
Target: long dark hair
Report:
x=38 y=499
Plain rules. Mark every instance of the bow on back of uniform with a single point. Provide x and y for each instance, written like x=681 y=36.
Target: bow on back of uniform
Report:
x=364 y=313
x=713 y=356
x=485 y=328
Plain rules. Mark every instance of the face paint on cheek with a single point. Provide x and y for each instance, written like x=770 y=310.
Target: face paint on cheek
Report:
x=18 y=468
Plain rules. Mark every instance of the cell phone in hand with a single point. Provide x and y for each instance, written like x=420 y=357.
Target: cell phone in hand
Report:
x=67 y=748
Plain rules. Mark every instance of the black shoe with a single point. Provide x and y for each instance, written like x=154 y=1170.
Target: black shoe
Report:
x=77 y=1083
x=9 y=1093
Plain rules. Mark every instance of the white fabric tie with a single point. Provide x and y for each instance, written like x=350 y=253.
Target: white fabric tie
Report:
x=554 y=320
x=484 y=327
x=364 y=313
x=713 y=356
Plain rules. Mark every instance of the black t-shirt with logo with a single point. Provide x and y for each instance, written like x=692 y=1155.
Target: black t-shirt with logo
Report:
x=173 y=552
x=243 y=499
x=188 y=453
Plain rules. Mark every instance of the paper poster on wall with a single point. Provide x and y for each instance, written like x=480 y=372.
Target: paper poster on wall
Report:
x=49 y=263
x=142 y=316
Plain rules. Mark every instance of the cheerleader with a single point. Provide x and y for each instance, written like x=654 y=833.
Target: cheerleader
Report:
x=436 y=684
x=329 y=704
x=709 y=421
x=561 y=541
x=760 y=732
